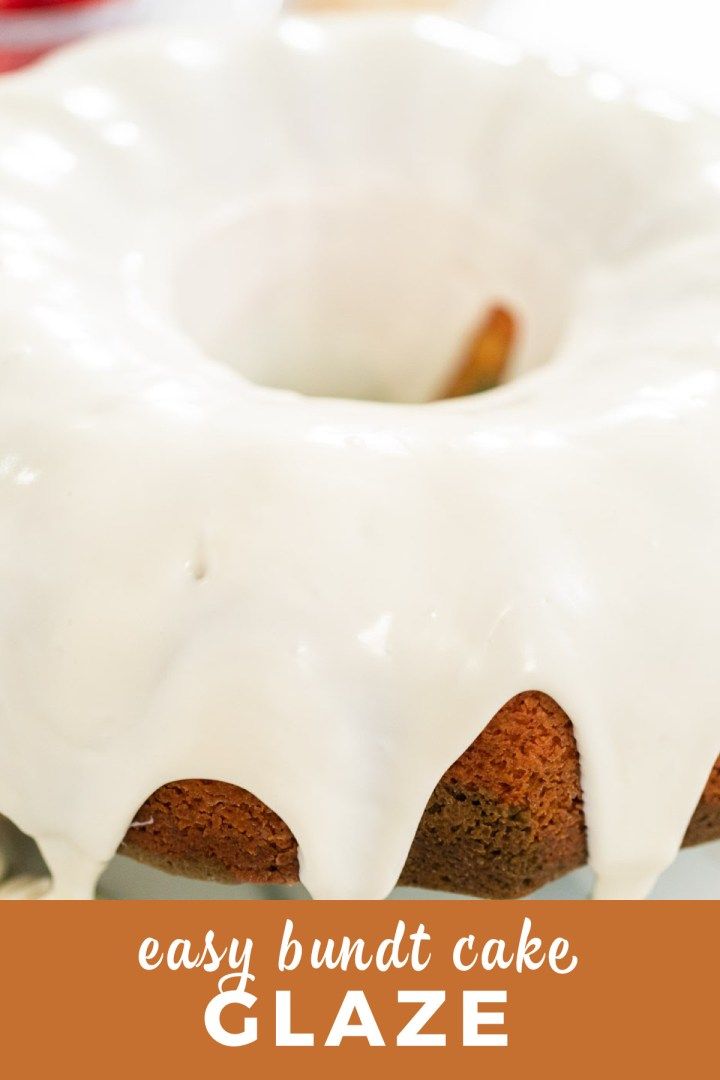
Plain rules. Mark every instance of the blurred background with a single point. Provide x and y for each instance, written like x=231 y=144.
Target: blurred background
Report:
x=671 y=45
x=668 y=47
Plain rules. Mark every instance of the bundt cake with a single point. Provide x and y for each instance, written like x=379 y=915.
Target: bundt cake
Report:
x=244 y=548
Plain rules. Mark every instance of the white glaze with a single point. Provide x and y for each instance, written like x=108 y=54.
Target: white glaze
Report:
x=325 y=600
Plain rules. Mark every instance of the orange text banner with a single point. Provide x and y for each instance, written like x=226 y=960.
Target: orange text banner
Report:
x=161 y=988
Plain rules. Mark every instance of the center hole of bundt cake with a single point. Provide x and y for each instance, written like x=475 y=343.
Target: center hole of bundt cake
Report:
x=376 y=294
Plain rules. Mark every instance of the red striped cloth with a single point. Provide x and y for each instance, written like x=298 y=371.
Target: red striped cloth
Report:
x=27 y=5
x=13 y=52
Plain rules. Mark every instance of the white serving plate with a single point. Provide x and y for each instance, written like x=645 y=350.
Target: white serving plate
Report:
x=695 y=875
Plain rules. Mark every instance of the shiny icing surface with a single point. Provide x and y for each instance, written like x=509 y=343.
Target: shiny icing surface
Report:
x=325 y=599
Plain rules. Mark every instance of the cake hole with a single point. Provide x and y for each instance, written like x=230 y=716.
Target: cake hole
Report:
x=486 y=357
x=373 y=293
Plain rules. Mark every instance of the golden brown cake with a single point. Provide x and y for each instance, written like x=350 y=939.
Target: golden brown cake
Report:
x=505 y=819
